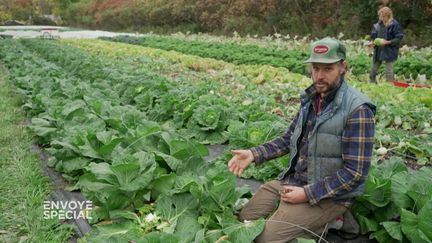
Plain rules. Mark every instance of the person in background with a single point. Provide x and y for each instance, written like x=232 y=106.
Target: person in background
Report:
x=386 y=38
x=330 y=142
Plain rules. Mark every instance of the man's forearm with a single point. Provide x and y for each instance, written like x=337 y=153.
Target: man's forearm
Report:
x=271 y=150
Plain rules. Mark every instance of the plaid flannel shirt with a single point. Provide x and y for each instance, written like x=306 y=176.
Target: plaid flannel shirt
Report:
x=357 y=146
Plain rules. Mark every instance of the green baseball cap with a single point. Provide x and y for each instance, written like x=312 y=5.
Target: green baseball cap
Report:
x=327 y=50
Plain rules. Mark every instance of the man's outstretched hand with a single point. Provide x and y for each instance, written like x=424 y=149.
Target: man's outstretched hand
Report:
x=240 y=161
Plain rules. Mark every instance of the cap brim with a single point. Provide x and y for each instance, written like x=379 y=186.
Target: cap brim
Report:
x=322 y=60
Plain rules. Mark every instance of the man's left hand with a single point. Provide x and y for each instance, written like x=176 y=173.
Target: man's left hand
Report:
x=294 y=194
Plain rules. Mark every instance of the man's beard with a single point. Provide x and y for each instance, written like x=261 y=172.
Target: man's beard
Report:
x=327 y=86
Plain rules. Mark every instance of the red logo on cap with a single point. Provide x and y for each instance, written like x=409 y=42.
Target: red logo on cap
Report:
x=320 y=49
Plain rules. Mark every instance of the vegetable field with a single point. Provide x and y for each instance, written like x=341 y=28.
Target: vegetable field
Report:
x=127 y=122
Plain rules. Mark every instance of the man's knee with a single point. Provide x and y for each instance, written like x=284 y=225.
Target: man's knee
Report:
x=247 y=214
x=262 y=203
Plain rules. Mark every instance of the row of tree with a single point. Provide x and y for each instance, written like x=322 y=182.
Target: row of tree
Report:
x=25 y=9
x=296 y=17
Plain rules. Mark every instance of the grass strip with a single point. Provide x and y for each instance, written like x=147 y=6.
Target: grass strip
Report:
x=23 y=187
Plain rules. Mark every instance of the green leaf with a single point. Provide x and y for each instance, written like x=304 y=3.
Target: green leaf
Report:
x=207 y=117
x=377 y=191
x=393 y=229
x=68 y=166
x=410 y=227
x=367 y=224
x=389 y=212
x=241 y=232
x=210 y=236
x=200 y=236
x=159 y=237
x=190 y=149
x=145 y=159
x=423 y=161
x=66 y=145
x=163 y=184
x=187 y=227
x=98 y=214
x=88 y=151
x=107 y=149
x=125 y=173
x=94 y=189
x=391 y=167
x=195 y=165
x=419 y=187
x=130 y=178
x=400 y=189
x=223 y=190
x=425 y=219
x=90 y=183
x=72 y=107
x=172 y=162
x=146 y=128
x=41 y=127
x=117 y=200
x=415 y=148
x=177 y=209
x=381 y=236
x=174 y=206
x=111 y=233
x=102 y=171
x=122 y=214
x=105 y=136
x=184 y=183
x=90 y=146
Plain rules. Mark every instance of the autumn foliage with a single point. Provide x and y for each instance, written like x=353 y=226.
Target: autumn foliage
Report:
x=317 y=18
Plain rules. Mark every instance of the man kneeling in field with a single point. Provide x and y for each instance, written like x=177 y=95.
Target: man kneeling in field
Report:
x=330 y=142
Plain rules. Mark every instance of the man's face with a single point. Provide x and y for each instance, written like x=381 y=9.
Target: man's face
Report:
x=326 y=76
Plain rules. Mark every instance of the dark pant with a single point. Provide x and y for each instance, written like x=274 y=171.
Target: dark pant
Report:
x=388 y=71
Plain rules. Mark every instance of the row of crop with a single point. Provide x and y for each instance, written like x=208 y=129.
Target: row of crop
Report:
x=418 y=116
x=403 y=124
x=161 y=99
x=142 y=175
x=194 y=108
x=287 y=42
x=259 y=73
x=414 y=60
x=230 y=83
x=403 y=116
x=237 y=84
x=269 y=87
x=386 y=215
x=293 y=60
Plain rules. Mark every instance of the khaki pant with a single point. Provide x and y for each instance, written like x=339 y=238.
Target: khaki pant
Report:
x=282 y=225
x=388 y=71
